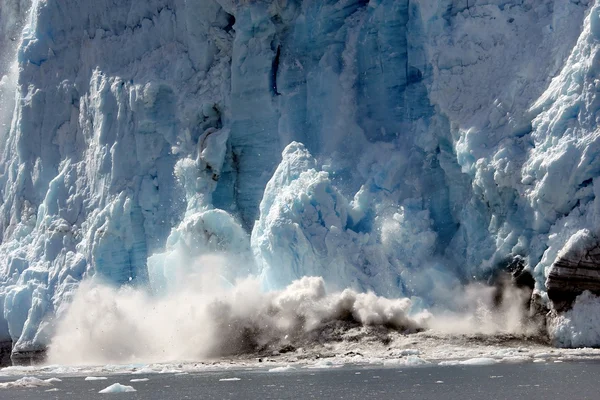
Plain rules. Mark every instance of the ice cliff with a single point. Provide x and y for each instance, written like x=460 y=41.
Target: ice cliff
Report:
x=399 y=146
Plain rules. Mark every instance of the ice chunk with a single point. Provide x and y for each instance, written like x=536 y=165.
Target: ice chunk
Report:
x=479 y=361
x=414 y=360
x=286 y=368
x=411 y=360
x=202 y=242
x=95 y=378
x=307 y=227
x=117 y=388
x=299 y=211
x=28 y=382
x=447 y=363
x=230 y=379
x=405 y=352
x=325 y=364
x=144 y=370
x=516 y=359
x=580 y=326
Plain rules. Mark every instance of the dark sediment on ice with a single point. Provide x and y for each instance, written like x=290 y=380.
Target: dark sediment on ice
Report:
x=5 y=350
x=575 y=272
x=30 y=357
x=514 y=278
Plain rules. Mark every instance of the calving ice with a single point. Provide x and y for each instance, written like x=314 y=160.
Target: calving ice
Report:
x=372 y=163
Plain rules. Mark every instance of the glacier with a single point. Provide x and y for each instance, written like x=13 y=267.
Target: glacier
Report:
x=403 y=147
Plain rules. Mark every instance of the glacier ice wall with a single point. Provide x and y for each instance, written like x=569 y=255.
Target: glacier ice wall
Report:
x=398 y=146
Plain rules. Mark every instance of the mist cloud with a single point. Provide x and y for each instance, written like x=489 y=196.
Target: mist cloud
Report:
x=202 y=318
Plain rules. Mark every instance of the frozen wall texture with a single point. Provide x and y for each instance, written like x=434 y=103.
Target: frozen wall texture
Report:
x=399 y=146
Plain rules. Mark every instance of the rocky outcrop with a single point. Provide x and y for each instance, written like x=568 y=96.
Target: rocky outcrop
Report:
x=576 y=269
x=30 y=357
x=513 y=274
x=512 y=281
x=5 y=350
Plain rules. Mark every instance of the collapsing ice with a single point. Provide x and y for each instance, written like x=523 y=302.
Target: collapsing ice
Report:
x=423 y=148
x=130 y=325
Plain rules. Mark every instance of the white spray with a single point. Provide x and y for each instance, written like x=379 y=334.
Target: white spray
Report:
x=200 y=318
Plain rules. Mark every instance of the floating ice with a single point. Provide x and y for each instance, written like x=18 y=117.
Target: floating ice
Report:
x=286 y=368
x=144 y=370
x=117 y=388
x=95 y=378
x=414 y=360
x=405 y=352
x=411 y=360
x=325 y=364
x=516 y=359
x=28 y=382
x=479 y=361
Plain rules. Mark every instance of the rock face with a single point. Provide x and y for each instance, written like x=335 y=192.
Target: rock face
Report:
x=514 y=281
x=5 y=350
x=29 y=357
x=576 y=270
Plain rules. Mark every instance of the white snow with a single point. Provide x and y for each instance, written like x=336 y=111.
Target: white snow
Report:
x=117 y=388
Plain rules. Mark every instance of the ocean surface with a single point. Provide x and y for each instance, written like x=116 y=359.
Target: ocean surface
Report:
x=548 y=381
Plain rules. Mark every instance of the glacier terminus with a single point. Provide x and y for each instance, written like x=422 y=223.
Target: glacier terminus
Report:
x=393 y=151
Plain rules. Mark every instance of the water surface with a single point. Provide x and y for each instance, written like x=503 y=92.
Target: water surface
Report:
x=547 y=381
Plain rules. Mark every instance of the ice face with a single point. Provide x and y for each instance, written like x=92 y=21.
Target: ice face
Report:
x=386 y=145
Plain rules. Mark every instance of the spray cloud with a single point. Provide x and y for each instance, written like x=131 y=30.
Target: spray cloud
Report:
x=201 y=318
